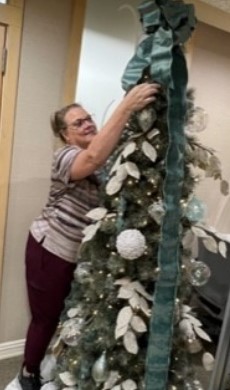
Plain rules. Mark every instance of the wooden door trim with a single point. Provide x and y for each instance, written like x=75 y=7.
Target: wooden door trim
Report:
x=11 y=15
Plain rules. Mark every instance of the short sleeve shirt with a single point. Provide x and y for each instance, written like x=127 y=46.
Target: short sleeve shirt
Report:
x=60 y=225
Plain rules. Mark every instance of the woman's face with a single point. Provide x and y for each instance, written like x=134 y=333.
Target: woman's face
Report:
x=80 y=127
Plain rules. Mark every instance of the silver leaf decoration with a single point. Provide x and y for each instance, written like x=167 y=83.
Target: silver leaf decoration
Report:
x=223 y=248
x=149 y=151
x=130 y=342
x=208 y=361
x=90 y=231
x=129 y=384
x=67 y=378
x=132 y=170
x=113 y=186
x=210 y=244
x=138 y=324
x=97 y=214
x=124 y=316
x=111 y=381
x=129 y=149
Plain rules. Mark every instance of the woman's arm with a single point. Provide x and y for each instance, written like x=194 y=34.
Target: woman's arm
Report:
x=105 y=141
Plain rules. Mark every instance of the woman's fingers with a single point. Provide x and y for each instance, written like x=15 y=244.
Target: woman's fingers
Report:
x=141 y=95
x=147 y=95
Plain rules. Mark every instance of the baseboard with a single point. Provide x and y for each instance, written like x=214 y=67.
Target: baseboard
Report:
x=11 y=349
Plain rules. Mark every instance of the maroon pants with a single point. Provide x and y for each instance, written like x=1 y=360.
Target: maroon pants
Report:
x=48 y=282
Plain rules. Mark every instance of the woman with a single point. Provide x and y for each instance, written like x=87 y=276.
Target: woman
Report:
x=55 y=236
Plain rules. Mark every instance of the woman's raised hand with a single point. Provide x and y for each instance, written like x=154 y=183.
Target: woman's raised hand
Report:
x=140 y=95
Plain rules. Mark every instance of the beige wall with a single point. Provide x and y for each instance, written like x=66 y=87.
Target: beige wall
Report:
x=41 y=78
x=210 y=75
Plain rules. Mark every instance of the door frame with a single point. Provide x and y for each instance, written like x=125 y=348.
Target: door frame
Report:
x=11 y=15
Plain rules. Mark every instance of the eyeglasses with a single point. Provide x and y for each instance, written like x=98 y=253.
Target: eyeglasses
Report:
x=78 y=123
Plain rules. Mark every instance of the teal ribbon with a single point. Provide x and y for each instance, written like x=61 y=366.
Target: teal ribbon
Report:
x=168 y=24
x=161 y=324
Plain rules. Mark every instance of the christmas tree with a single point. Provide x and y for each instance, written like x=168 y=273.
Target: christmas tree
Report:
x=127 y=322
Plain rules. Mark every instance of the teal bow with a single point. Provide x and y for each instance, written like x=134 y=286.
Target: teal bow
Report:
x=168 y=24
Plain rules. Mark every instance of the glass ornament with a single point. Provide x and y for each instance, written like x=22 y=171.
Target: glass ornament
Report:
x=156 y=211
x=195 y=210
x=198 y=273
x=198 y=121
x=100 y=369
x=71 y=331
x=83 y=272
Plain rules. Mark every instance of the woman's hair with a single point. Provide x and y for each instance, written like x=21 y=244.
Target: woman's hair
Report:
x=57 y=120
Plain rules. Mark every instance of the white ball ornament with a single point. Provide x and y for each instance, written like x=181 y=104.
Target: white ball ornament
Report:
x=131 y=244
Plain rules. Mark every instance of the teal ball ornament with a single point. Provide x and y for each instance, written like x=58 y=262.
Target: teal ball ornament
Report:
x=195 y=210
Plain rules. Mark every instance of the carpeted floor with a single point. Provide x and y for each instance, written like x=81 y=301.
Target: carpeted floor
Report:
x=8 y=370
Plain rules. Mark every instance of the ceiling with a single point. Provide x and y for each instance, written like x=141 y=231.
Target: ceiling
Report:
x=222 y=4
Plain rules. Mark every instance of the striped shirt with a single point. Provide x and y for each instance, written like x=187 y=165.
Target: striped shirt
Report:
x=60 y=225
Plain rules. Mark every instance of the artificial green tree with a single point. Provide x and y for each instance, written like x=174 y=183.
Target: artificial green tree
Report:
x=127 y=322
